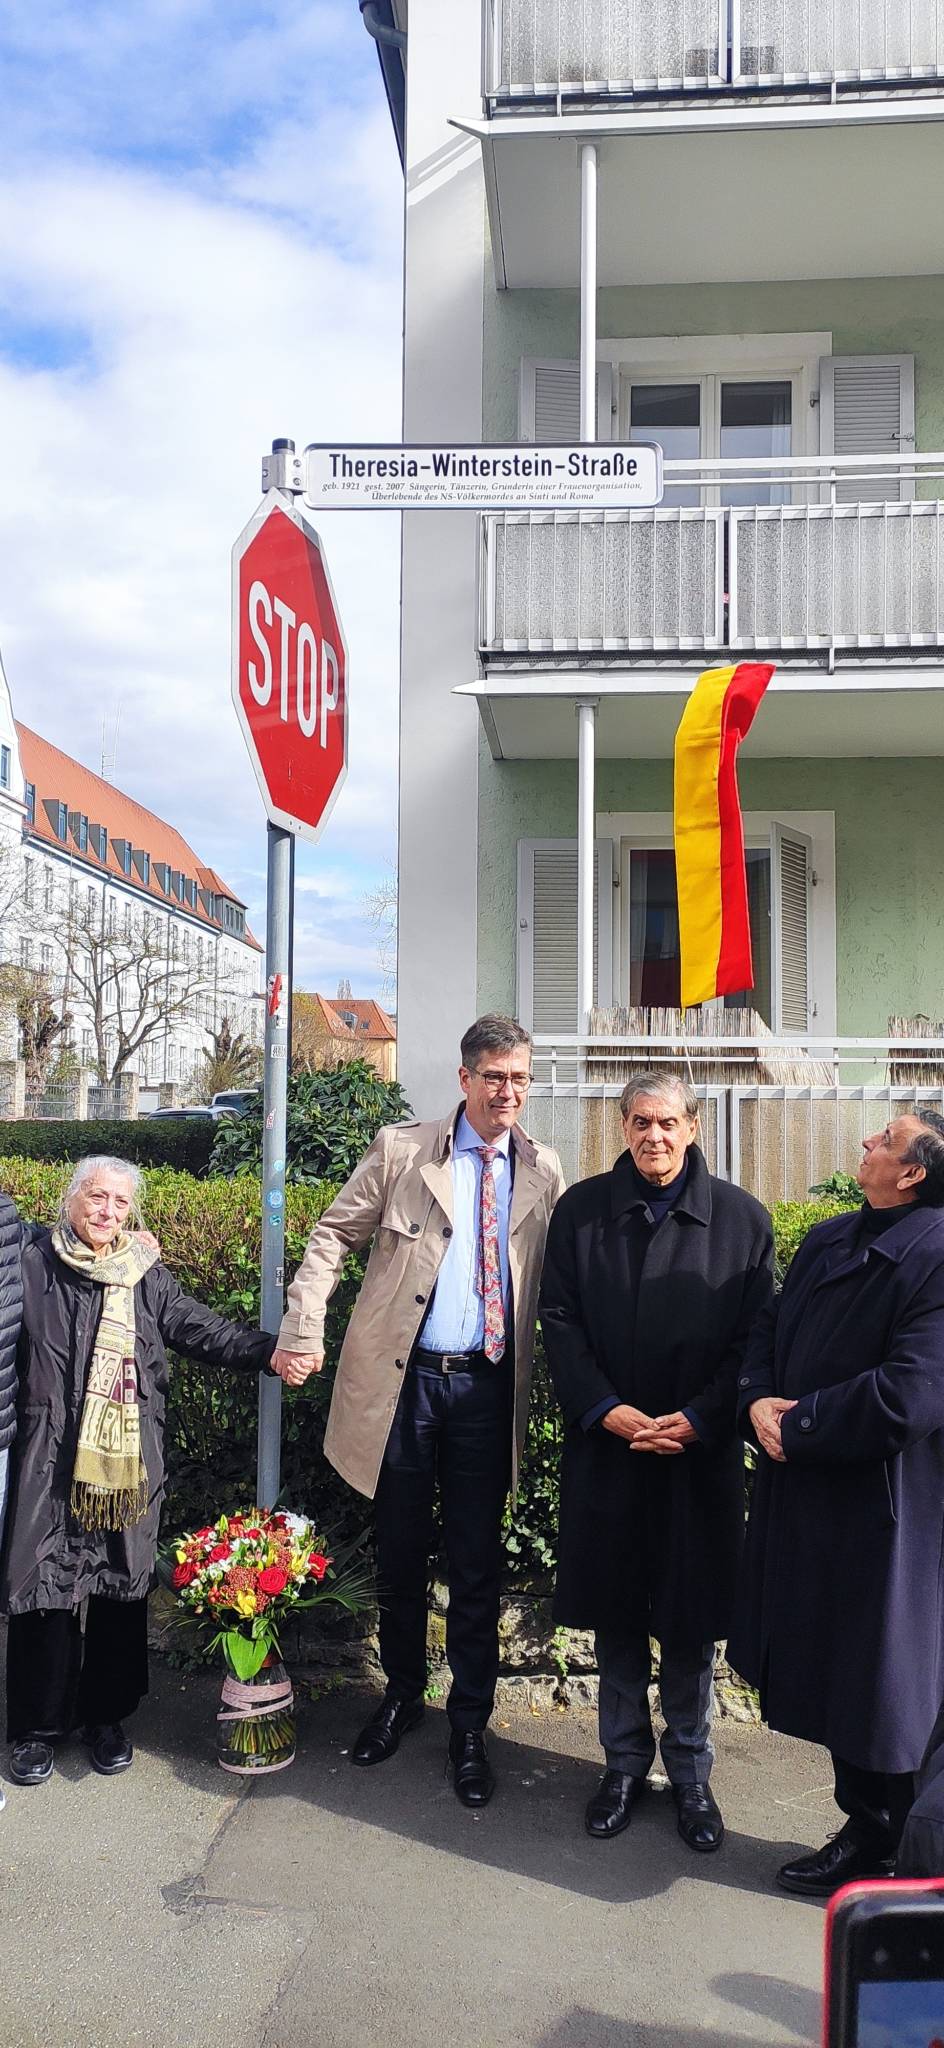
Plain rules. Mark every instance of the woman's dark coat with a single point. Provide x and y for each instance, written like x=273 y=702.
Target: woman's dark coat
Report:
x=48 y=1560
x=11 y=1309
x=841 y=1620
x=660 y=1319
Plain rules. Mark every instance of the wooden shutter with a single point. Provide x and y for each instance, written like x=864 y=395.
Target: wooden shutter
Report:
x=547 y=932
x=549 y=401
x=791 y=861
x=867 y=407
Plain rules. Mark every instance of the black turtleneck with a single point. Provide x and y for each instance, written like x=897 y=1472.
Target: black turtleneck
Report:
x=659 y=1200
x=873 y=1221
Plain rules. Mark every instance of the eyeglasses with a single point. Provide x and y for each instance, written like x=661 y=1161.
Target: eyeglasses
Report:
x=520 y=1083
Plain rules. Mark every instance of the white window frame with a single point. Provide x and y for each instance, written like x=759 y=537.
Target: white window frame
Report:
x=710 y=360
x=638 y=831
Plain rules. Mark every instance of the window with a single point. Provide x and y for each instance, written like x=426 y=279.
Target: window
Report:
x=26 y=952
x=162 y=872
x=122 y=852
x=31 y=802
x=61 y=824
x=29 y=869
x=111 y=915
x=5 y=763
x=90 y=901
x=171 y=1062
x=142 y=862
x=199 y=953
x=99 y=838
x=88 y=1049
x=79 y=826
x=48 y=888
x=185 y=943
x=45 y=959
x=654 y=967
x=733 y=417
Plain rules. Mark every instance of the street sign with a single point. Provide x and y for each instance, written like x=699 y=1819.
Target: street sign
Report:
x=578 y=477
x=289 y=667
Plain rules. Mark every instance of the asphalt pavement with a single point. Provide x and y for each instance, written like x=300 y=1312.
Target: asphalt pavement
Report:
x=329 y=1907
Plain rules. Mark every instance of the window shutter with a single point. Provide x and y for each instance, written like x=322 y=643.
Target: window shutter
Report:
x=790 y=870
x=867 y=407
x=549 y=400
x=547 y=932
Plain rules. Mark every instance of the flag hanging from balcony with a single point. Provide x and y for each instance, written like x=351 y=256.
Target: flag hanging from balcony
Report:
x=714 y=926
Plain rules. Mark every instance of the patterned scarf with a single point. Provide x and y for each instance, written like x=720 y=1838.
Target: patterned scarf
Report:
x=109 y=1478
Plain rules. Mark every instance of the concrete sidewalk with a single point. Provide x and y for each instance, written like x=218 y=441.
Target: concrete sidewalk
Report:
x=327 y=1907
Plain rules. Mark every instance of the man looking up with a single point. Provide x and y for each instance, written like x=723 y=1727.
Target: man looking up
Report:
x=841 y=1621
x=435 y=1371
x=653 y=1276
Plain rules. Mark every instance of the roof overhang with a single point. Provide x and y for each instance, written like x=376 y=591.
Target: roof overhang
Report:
x=889 y=712
x=701 y=195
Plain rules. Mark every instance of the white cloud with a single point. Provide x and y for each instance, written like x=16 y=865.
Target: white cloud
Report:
x=158 y=326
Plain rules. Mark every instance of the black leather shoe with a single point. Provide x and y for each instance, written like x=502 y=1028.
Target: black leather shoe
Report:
x=31 y=1761
x=472 y=1778
x=380 y=1736
x=611 y=1808
x=699 y=1817
x=111 y=1750
x=845 y=1857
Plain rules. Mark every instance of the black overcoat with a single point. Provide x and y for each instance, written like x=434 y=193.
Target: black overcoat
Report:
x=660 y=1319
x=841 y=1617
x=48 y=1560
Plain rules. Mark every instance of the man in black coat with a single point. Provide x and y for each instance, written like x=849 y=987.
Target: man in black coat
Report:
x=841 y=1620
x=652 y=1278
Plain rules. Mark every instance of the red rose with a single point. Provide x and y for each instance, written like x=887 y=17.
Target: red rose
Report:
x=219 y=1551
x=253 y=1535
x=317 y=1565
x=185 y=1574
x=272 y=1580
x=201 y=1535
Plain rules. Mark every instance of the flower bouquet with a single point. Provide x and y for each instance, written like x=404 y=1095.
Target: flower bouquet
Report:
x=237 y=1580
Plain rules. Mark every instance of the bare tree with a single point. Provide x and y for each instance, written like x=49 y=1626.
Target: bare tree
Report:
x=380 y=905
x=229 y=1061
x=129 y=977
x=43 y=1024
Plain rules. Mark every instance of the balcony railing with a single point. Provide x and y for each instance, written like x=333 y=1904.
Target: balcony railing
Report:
x=775 y=1138
x=567 y=50
x=864 y=576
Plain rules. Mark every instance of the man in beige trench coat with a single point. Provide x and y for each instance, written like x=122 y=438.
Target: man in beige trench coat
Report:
x=434 y=1372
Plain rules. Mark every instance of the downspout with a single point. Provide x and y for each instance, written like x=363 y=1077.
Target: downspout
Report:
x=381 y=30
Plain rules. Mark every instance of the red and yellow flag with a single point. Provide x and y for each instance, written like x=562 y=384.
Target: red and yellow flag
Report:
x=714 y=927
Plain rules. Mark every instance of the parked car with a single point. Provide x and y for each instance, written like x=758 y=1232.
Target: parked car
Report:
x=201 y=1110
x=232 y=1101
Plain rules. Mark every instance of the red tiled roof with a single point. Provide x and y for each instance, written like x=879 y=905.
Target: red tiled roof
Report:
x=368 y=1013
x=56 y=778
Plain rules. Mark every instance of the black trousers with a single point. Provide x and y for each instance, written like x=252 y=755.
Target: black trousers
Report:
x=58 y=1679
x=454 y=1427
x=878 y=1801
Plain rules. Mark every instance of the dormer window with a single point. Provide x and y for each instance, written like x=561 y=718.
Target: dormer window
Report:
x=58 y=816
x=162 y=872
x=142 y=862
x=99 y=841
x=122 y=852
x=176 y=884
x=79 y=828
x=6 y=761
x=31 y=802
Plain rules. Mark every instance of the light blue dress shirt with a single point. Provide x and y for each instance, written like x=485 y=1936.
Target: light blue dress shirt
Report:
x=456 y=1320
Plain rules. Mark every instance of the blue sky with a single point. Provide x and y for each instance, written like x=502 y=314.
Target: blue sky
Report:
x=200 y=249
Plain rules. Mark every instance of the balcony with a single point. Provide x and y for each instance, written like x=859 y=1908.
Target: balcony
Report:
x=832 y=580
x=776 y=1117
x=575 y=52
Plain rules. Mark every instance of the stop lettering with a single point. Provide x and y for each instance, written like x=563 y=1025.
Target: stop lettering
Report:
x=289 y=667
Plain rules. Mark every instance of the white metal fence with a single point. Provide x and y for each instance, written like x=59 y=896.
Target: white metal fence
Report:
x=572 y=49
x=863 y=574
x=777 y=1139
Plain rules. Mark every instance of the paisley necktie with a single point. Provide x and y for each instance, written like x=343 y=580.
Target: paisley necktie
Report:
x=488 y=1279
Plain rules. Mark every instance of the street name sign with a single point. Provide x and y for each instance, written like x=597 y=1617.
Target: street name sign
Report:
x=289 y=667
x=578 y=477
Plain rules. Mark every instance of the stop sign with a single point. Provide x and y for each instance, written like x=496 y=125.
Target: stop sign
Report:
x=289 y=667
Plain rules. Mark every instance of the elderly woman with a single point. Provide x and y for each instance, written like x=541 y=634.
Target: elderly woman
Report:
x=88 y=1471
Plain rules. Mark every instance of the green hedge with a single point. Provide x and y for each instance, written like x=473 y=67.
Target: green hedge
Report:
x=210 y=1238
x=185 y=1142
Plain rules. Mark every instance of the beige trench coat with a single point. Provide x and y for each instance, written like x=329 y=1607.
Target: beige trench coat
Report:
x=400 y=1195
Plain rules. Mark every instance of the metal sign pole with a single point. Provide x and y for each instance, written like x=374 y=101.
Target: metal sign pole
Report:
x=278 y=929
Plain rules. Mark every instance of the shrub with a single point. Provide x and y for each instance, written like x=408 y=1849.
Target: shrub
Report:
x=210 y=1235
x=185 y=1143
x=332 y=1117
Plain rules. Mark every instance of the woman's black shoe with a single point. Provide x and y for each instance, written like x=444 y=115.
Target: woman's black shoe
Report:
x=111 y=1750
x=380 y=1736
x=31 y=1761
x=611 y=1808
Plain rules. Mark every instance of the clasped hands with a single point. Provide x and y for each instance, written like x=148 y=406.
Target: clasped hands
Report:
x=667 y=1435
x=295 y=1367
x=767 y=1417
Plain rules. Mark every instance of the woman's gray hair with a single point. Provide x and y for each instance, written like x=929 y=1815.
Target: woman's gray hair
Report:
x=100 y=1162
x=658 y=1085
